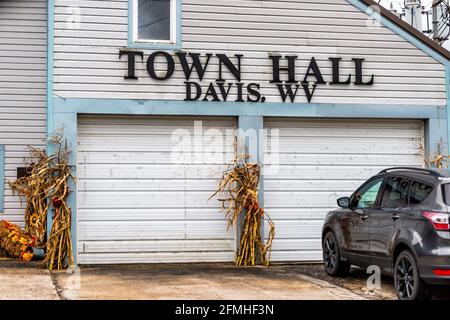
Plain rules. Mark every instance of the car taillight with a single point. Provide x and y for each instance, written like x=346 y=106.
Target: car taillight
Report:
x=439 y=220
x=441 y=272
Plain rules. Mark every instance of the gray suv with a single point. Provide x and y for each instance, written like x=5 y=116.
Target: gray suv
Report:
x=398 y=220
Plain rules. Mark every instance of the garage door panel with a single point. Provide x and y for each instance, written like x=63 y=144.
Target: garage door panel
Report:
x=154 y=230
x=291 y=199
x=148 y=184
x=150 y=171
x=158 y=147
x=311 y=172
x=292 y=125
x=156 y=246
x=111 y=142
x=311 y=185
x=91 y=123
x=343 y=131
x=301 y=213
x=160 y=257
x=135 y=214
x=319 y=161
x=296 y=229
x=339 y=146
x=296 y=255
x=299 y=244
x=139 y=201
x=305 y=158
x=136 y=157
x=152 y=129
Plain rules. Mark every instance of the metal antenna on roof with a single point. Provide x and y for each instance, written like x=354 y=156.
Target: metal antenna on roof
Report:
x=413 y=13
x=433 y=21
x=441 y=20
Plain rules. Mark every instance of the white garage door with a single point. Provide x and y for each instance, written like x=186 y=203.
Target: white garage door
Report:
x=143 y=189
x=319 y=161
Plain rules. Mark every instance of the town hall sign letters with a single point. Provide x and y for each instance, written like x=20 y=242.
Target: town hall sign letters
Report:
x=283 y=77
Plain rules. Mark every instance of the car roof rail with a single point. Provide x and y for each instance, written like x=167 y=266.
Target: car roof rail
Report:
x=418 y=170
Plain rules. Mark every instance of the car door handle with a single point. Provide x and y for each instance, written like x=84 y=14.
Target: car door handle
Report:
x=364 y=217
x=395 y=217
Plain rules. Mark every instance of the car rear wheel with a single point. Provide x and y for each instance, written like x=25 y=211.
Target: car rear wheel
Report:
x=332 y=262
x=408 y=284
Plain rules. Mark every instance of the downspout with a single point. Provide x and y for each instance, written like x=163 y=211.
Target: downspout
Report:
x=49 y=86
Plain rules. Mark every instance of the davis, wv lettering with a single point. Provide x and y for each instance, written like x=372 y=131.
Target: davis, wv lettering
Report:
x=284 y=75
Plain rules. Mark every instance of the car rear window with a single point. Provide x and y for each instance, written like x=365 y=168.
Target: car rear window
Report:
x=446 y=189
x=419 y=191
x=396 y=193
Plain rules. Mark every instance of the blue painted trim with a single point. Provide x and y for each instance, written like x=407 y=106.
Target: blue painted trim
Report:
x=252 y=139
x=2 y=177
x=155 y=46
x=68 y=122
x=49 y=85
x=176 y=107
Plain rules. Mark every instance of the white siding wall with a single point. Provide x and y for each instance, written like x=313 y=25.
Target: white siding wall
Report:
x=22 y=87
x=87 y=63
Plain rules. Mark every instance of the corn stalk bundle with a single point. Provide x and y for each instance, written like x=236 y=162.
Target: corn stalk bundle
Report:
x=440 y=161
x=47 y=184
x=239 y=186
x=59 y=246
x=14 y=242
x=33 y=186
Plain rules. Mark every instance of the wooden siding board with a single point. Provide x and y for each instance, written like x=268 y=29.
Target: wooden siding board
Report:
x=23 y=89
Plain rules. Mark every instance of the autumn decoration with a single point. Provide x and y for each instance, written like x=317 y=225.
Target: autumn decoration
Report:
x=45 y=186
x=440 y=161
x=14 y=242
x=239 y=190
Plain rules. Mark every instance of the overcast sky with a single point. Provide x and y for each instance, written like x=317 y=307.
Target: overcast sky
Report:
x=400 y=2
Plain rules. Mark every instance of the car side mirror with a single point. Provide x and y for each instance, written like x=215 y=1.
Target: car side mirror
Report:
x=344 y=202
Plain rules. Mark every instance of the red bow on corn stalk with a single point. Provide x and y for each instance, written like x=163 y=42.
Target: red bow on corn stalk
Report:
x=239 y=185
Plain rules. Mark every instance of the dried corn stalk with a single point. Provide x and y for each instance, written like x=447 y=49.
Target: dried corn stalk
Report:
x=440 y=161
x=46 y=184
x=239 y=185
x=32 y=187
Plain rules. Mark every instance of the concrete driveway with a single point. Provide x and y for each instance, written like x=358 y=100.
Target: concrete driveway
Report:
x=21 y=280
x=25 y=281
x=195 y=281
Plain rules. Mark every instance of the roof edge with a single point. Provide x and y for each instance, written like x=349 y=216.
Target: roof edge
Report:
x=408 y=28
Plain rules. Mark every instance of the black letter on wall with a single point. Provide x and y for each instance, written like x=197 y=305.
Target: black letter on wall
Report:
x=276 y=68
x=195 y=64
x=198 y=91
x=359 y=73
x=151 y=65
x=336 y=80
x=131 y=62
x=236 y=71
x=315 y=72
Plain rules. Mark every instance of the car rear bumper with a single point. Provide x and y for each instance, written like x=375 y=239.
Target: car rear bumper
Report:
x=429 y=264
